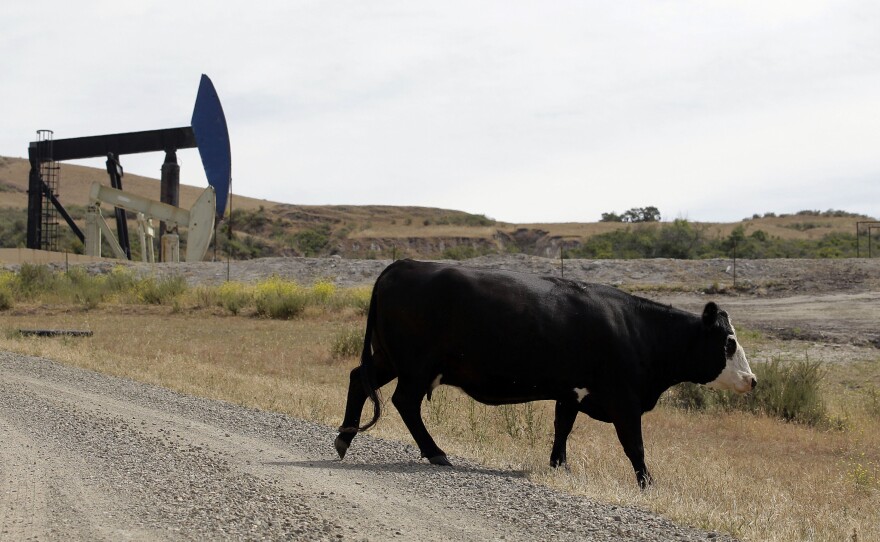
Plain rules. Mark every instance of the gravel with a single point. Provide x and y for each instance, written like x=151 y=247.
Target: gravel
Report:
x=115 y=459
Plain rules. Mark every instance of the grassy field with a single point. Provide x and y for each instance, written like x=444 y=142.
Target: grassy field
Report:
x=754 y=476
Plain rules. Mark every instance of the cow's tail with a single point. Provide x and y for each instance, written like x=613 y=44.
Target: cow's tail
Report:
x=368 y=373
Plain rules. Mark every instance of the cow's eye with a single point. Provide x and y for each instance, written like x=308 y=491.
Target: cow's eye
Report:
x=730 y=347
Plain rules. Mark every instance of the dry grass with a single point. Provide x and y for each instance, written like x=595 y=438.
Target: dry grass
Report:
x=752 y=476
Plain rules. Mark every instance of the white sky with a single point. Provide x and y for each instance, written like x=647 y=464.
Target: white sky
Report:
x=524 y=111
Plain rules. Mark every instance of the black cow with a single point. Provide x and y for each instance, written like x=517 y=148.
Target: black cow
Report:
x=506 y=337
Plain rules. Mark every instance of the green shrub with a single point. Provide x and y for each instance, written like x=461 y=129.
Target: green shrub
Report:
x=34 y=279
x=7 y=293
x=347 y=343
x=161 y=291
x=790 y=391
x=234 y=296
x=460 y=252
x=5 y=298
x=311 y=242
x=121 y=280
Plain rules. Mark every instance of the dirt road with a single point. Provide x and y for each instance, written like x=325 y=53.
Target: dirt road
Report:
x=85 y=456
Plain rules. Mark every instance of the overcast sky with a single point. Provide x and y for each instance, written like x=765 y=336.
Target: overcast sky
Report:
x=523 y=111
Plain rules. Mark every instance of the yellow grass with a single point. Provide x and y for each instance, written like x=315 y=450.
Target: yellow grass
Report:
x=754 y=477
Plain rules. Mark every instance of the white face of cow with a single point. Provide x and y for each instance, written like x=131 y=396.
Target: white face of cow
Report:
x=736 y=375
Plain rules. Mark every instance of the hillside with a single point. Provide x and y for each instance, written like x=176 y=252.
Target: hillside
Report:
x=265 y=228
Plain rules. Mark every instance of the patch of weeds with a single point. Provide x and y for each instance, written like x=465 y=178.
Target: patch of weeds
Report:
x=872 y=403
x=347 y=343
x=7 y=297
x=234 y=296
x=161 y=291
x=33 y=279
x=205 y=297
x=863 y=472
x=6 y=301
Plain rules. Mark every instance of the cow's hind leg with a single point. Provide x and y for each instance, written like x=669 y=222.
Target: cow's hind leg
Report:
x=354 y=405
x=407 y=399
x=562 y=424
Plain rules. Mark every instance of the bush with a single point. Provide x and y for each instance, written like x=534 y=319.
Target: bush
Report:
x=161 y=291
x=323 y=291
x=789 y=391
x=460 y=252
x=234 y=296
x=85 y=289
x=33 y=279
x=275 y=298
x=684 y=240
x=311 y=242
x=348 y=343
x=5 y=298
x=121 y=280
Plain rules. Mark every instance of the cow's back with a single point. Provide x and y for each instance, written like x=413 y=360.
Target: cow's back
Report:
x=480 y=328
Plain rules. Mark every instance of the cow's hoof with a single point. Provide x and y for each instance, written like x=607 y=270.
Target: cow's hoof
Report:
x=341 y=447
x=560 y=464
x=440 y=460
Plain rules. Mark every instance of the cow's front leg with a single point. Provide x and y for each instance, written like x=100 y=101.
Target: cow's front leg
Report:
x=408 y=401
x=562 y=424
x=629 y=432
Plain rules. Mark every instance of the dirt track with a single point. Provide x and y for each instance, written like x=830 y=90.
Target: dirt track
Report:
x=86 y=456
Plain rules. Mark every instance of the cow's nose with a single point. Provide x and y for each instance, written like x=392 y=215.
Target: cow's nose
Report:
x=754 y=382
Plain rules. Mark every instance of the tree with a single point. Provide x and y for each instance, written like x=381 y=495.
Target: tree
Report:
x=611 y=217
x=641 y=214
x=636 y=214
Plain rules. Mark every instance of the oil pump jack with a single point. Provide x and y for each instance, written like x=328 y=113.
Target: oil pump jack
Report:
x=207 y=132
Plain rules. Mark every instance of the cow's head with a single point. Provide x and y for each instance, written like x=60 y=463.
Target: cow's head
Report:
x=735 y=373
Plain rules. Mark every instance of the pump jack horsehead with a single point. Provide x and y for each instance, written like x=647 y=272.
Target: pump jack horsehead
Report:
x=505 y=337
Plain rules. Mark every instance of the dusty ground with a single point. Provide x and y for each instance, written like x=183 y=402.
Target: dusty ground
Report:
x=86 y=456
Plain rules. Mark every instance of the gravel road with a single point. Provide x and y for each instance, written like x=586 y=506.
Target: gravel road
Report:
x=85 y=456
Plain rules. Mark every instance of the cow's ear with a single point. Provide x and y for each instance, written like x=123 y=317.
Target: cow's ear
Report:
x=710 y=314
